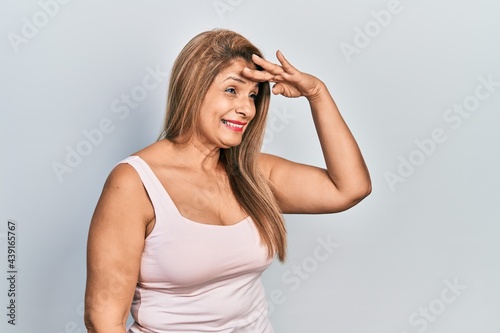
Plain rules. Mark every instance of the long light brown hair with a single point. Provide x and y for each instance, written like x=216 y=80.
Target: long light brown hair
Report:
x=194 y=70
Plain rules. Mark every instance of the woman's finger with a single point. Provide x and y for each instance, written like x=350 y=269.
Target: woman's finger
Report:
x=285 y=64
x=260 y=76
x=267 y=65
x=278 y=89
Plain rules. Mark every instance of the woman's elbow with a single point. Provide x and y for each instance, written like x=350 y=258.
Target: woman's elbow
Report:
x=89 y=322
x=365 y=190
x=361 y=192
x=354 y=196
x=97 y=323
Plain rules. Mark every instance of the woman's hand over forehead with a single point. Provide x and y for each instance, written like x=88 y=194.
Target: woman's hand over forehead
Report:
x=288 y=81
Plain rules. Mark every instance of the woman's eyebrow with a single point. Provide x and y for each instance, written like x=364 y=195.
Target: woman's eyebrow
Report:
x=238 y=79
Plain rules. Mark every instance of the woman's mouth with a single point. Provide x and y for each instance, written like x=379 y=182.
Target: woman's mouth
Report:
x=233 y=125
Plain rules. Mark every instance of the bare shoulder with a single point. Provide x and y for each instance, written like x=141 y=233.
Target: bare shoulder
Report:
x=157 y=153
x=124 y=178
x=123 y=192
x=124 y=175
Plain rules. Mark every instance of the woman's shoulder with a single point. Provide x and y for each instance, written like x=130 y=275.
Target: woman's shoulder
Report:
x=269 y=162
x=124 y=172
x=157 y=153
x=123 y=176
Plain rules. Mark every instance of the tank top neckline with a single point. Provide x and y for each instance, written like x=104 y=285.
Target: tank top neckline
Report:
x=177 y=211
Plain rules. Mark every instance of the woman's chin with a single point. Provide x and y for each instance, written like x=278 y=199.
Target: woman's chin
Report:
x=230 y=144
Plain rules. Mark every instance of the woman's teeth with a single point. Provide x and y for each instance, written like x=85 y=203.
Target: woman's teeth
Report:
x=225 y=122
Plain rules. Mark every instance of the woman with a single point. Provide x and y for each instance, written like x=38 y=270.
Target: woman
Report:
x=185 y=227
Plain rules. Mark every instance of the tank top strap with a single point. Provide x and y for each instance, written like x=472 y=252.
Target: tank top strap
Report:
x=156 y=192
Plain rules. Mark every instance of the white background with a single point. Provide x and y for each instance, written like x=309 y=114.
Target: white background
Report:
x=396 y=253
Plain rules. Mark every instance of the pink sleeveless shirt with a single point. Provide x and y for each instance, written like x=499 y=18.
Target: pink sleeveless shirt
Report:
x=197 y=277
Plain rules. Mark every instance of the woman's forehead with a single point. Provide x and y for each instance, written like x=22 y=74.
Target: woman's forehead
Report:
x=234 y=71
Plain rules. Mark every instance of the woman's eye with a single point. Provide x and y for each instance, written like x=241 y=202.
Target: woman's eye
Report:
x=253 y=96
x=231 y=90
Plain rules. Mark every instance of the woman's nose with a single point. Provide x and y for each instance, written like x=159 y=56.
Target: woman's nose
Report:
x=245 y=108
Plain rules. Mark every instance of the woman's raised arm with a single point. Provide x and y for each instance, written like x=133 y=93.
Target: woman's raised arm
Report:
x=303 y=188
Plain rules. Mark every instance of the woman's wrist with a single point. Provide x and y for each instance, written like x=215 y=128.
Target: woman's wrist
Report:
x=318 y=92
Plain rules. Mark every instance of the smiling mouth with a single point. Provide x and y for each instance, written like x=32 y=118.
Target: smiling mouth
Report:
x=236 y=126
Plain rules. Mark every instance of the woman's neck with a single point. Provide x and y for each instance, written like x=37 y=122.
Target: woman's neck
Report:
x=196 y=154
